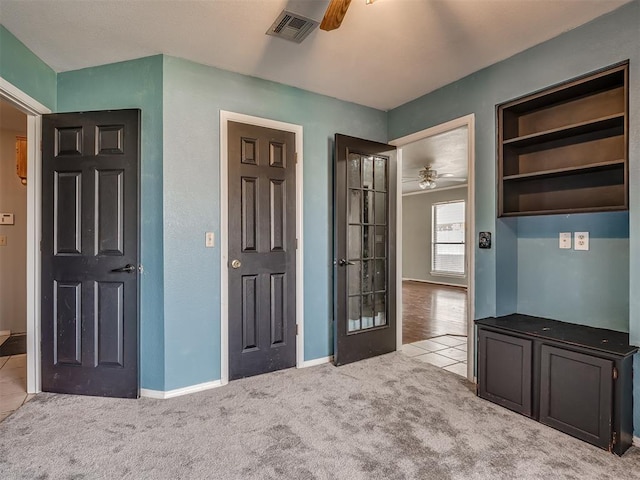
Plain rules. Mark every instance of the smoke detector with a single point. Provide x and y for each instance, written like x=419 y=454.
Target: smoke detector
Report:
x=292 y=27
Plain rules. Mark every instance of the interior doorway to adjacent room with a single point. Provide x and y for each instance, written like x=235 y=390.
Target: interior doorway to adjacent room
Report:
x=13 y=258
x=436 y=250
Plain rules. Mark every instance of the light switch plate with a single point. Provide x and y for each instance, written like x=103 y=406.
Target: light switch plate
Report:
x=581 y=240
x=565 y=240
x=209 y=240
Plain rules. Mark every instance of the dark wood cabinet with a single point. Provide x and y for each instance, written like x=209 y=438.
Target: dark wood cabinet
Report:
x=574 y=378
x=564 y=149
x=505 y=361
x=576 y=394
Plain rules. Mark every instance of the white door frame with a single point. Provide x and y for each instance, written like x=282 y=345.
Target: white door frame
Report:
x=469 y=122
x=225 y=117
x=34 y=111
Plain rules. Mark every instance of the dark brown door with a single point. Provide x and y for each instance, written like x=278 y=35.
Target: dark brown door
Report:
x=365 y=223
x=262 y=244
x=90 y=253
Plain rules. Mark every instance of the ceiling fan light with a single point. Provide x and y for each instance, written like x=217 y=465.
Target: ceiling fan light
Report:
x=368 y=2
x=424 y=183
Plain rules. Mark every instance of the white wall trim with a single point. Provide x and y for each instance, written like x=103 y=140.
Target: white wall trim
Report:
x=435 y=190
x=469 y=122
x=178 y=392
x=636 y=441
x=435 y=283
x=34 y=111
x=316 y=361
x=225 y=117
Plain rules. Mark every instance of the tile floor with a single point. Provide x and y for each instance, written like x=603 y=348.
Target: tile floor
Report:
x=13 y=383
x=446 y=351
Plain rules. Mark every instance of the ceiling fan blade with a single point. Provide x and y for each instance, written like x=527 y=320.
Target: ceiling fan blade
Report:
x=334 y=14
x=454 y=179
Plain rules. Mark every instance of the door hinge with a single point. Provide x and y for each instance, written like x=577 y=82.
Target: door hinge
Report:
x=297 y=329
x=615 y=373
x=296 y=243
x=613 y=438
x=295 y=158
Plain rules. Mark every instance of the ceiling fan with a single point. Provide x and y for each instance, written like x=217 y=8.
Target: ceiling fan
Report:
x=427 y=178
x=335 y=12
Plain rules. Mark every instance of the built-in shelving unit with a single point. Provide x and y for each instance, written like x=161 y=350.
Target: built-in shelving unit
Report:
x=564 y=149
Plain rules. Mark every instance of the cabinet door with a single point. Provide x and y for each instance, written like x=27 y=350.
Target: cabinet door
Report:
x=505 y=370
x=576 y=394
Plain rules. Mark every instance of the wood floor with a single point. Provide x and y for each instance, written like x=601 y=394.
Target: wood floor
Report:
x=431 y=310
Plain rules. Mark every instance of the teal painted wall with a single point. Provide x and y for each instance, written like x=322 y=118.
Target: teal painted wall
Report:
x=587 y=287
x=193 y=97
x=23 y=69
x=525 y=257
x=134 y=84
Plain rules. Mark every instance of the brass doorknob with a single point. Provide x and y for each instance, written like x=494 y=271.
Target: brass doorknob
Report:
x=236 y=263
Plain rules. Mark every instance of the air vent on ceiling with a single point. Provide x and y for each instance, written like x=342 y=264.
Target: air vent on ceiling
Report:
x=292 y=26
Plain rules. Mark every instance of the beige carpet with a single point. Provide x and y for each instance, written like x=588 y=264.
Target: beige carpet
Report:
x=390 y=417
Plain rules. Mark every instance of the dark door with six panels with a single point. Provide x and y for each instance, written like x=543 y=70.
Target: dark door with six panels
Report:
x=90 y=249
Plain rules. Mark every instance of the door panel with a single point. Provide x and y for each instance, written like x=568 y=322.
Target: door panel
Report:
x=89 y=232
x=262 y=304
x=576 y=394
x=365 y=177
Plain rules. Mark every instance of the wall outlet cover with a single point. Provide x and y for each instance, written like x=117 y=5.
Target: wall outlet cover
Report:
x=581 y=240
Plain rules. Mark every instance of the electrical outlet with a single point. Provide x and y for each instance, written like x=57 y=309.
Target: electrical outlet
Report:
x=209 y=240
x=565 y=239
x=3 y=240
x=581 y=240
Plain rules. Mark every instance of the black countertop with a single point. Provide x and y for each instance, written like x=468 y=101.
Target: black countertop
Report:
x=607 y=341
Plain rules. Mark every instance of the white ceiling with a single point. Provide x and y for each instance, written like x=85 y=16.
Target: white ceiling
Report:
x=383 y=55
x=447 y=153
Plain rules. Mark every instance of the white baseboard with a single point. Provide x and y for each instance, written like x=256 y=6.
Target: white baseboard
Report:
x=435 y=283
x=317 y=361
x=162 y=395
x=5 y=332
x=636 y=441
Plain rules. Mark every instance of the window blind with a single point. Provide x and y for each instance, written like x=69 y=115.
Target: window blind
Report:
x=448 y=236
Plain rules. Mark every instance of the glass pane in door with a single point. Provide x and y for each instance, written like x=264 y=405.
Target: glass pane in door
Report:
x=368 y=209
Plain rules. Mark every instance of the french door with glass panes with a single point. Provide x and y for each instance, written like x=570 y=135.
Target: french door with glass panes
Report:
x=364 y=246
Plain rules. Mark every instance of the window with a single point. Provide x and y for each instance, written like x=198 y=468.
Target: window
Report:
x=447 y=238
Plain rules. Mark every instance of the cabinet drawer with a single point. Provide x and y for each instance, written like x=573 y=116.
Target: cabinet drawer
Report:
x=505 y=370
x=576 y=392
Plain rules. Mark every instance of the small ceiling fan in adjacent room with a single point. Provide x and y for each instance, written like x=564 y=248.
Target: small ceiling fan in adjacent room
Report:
x=428 y=178
x=335 y=12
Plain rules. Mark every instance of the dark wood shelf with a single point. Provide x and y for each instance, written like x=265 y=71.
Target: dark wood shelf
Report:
x=610 y=122
x=565 y=149
x=561 y=211
x=565 y=171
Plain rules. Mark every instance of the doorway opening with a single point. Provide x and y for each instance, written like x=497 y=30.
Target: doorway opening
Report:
x=13 y=259
x=435 y=245
x=33 y=111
